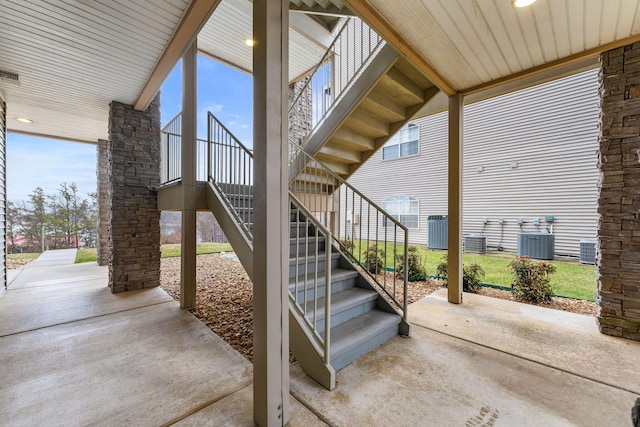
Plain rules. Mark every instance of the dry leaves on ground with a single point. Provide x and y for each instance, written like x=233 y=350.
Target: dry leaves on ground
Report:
x=12 y=264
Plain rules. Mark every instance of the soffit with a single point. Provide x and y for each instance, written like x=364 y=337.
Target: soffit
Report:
x=75 y=57
x=223 y=38
x=473 y=42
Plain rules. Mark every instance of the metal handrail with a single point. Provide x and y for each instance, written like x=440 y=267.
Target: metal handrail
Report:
x=170 y=151
x=235 y=184
x=233 y=172
x=327 y=194
x=353 y=47
x=309 y=309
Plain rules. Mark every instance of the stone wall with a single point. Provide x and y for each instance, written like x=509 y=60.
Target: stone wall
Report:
x=300 y=118
x=618 y=256
x=104 y=201
x=134 y=155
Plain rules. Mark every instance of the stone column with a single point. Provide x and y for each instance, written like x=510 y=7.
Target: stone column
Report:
x=618 y=257
x=300 y=118
x=104 y=201
x=134 y=151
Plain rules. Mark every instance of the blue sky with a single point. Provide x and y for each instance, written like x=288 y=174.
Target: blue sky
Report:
x=38 y=162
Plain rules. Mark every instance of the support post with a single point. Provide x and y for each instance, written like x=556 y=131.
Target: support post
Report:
x=104 y=202
x=454 y=257
x=271 y=233
x=189 y=153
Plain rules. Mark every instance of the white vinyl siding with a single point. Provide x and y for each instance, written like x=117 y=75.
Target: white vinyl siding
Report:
x=549 y=130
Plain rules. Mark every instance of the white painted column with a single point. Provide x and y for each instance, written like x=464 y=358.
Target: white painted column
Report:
x=271 y=234
x=454 y=257
x=188 y=167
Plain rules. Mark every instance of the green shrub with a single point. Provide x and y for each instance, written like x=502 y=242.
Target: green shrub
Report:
x=347 y=245
x=531 y=280
x=374 y=259
x=417 y=270
x=471 y=276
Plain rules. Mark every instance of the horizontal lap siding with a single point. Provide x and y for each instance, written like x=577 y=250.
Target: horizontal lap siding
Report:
x=550 y=130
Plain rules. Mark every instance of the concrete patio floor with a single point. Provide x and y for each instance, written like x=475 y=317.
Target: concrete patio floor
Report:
x=73 y=354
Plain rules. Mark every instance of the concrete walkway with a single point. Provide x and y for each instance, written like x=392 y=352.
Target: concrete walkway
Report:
x=71 y=353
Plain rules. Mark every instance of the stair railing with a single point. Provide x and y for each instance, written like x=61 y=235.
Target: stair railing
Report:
x=354 y=46
x=373 y=239
x=315 y=239
x=170 y=151
x=230 y=170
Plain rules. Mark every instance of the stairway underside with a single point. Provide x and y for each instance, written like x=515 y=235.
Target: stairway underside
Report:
x=386 y=96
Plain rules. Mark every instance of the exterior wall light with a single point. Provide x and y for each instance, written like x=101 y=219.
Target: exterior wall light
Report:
x=249 y=42
x=523 y=3
x=24 y=120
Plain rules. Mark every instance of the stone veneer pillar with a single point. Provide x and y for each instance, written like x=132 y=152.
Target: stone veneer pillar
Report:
x=104 y=201
x=618 y=257
x=300 y=118
x=134 y=152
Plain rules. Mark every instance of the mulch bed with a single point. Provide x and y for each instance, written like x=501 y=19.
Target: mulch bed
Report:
x=224 y=300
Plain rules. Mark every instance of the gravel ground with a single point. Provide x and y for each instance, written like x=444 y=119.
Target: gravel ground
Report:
x=224 y=300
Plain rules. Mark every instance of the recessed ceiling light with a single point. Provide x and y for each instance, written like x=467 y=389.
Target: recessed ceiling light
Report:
x=249 y=42
x=23 y=120
x=523 y=3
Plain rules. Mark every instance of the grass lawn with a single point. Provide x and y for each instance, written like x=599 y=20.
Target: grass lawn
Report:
x=86 y=255
x=166 y=251
x=571 y=278
x=26 y=255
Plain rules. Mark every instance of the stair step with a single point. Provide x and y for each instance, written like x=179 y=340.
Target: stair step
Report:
x=368 y=124
x=340 y=154
x=341 y=280
x=384 y=106
x=346 y=305
x=358 y=336
x=306 y=245
x=346 y=137
x=311 y=265
x=406 y=90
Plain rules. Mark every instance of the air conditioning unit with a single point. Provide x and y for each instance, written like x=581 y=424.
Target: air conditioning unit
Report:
x=588 y=251
x=537 y=245
x=438 y=232
x=475 y=243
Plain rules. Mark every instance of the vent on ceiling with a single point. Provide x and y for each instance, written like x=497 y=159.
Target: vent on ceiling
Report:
x=7 y=76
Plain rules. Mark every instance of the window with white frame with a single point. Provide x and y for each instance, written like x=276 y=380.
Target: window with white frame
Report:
x=405 y=209
x=404 y=143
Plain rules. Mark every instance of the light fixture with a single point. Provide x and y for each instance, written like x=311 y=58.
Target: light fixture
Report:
x=249 y=42
x=24 y=120
x=523 y=3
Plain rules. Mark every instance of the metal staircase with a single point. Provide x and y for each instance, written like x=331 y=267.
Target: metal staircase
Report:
x=343 y=302
x=362 y=93
x=337 y=313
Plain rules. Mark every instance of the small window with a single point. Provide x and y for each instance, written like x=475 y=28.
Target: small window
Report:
x=405 y=209
x=403 y=144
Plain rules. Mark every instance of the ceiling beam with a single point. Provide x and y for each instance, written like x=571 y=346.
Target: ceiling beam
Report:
x=194 y=19
x=578 y=60
x=378 y=23
x=56 y=137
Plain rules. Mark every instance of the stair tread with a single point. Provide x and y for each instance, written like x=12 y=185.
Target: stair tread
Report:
x=358 y=330
x=346 y=299
x=336 y=274
x=301 y=260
